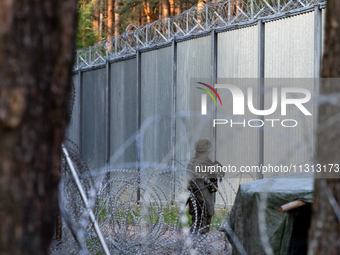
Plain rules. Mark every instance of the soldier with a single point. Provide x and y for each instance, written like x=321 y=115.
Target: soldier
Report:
x=202 y=185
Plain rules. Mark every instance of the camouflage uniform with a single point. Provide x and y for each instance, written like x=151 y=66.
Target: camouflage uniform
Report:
x=201 y=189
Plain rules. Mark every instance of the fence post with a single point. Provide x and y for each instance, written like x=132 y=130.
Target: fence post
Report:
x=260 y=76
x=173 y=119
x=169 y=28
x=90 y=56
x=317 y=65
x=108 y=110
x=108 y=120
x=138 y=138
x=213 y=76
x=317 y=41
x=77 y=59
x=80 y=80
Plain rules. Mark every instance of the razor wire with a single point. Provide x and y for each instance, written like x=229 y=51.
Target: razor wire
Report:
x=152 y=224
x=199 y=18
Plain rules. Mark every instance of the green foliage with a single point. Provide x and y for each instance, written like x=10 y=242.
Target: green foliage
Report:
x=86 y=36
x=130 y=12
x=219 y=217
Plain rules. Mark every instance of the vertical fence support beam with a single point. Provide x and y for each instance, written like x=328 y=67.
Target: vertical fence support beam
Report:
x=213 y=75
x=108 y=110
x=206 y=18
x=317 y=41
x=173 y=119
x=90 y=56
x=116 y=46
x=229 y=14
x=260 y=75
x=187 y=23
x=169 y=29
x=77 y=59
x=108 y=119
x=317 y=66
x=80 y=80
x=138 y=138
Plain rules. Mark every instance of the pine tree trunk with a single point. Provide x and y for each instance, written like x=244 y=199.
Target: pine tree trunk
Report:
x=200 y=8
x=110 y=10
x=100 y=19
x=324 y=234
x=37 y=43
x=160 y=6
x=96 y=20
x=116 y=18
x=166 y=8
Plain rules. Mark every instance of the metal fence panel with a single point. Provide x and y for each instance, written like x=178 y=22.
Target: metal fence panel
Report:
x=237 y=53
x=156 y=107
x=156 y=101
x=123 y=122
x=238 y=144
x=93 y=117
x=72 y=131
x=289 y=54
x=289 y=48
x=193 y=61
x=237 y=57
x=285 y=145
x=123 y=127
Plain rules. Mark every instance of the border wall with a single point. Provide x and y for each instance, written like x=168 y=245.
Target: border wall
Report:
x=119 y=98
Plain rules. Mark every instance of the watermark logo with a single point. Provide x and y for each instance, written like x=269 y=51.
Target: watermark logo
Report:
x=204 y=97
x=238 y=104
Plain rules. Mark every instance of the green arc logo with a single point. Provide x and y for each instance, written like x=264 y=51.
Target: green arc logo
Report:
x=208 y=92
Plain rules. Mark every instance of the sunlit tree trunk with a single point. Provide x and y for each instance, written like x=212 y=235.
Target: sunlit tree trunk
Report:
x=324 y=234
x=172 y=7
x=177 y=7
x=96 y=20
x=147 y=10
x=110 y=9
x=100 y=19
x=200 y=5
x=116 y=18
x=165 y=8
x=37 y=40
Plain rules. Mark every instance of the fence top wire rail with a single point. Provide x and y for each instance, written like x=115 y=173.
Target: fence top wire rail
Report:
x=198 y=19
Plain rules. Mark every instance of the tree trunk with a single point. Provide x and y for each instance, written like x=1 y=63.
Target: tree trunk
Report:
x=37 y=43
x=148 y=13
x=100 y=19
x=96 y=19
x=324 y=234
x=110 y=10
x=200 y=4
x=172 y=7
x=160 y=7
x=116 y=18
x=166 y=8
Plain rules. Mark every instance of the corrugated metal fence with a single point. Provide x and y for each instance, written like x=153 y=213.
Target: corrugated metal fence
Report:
x=141 y=91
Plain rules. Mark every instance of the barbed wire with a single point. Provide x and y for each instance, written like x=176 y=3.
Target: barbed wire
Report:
x=199 y=18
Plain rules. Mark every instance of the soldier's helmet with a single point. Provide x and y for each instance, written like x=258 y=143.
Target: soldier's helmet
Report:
x=202 y=145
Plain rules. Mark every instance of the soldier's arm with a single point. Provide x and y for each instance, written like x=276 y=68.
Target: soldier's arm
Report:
x=220 y=174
